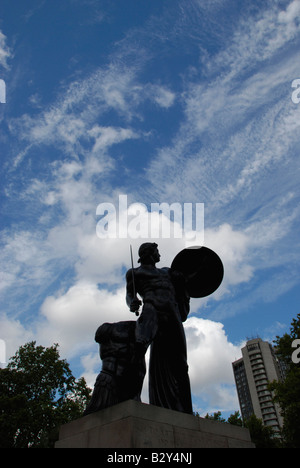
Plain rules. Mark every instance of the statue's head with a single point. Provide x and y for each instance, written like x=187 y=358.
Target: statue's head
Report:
x=148 y=253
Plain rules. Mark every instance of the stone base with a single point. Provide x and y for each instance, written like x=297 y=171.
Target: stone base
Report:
x=137 y=425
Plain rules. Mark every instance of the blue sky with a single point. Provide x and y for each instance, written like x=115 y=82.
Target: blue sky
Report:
x=164 y=101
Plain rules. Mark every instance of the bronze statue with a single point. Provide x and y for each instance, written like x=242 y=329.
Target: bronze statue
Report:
x=165 y=307
x=165 y=293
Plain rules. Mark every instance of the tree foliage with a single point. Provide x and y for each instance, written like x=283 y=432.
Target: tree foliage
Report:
x=262 y=436
x=215 y=417
x=287 y=393
x=38 y=393
x=235 y=419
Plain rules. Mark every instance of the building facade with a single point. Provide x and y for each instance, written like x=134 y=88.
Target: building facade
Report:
x=257 y=367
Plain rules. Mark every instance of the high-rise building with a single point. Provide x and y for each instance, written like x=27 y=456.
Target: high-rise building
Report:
x=257 y=367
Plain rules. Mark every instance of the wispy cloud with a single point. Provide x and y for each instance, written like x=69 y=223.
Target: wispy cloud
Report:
x=238 y=140
x=5 y=51
x=78 y=164
x=71 y=122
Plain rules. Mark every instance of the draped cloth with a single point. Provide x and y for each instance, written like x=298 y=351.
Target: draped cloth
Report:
x=169 y=385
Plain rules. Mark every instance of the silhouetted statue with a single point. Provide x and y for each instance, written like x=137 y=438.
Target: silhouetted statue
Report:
x=165 y=307
x=121 y=377
x=166 y=292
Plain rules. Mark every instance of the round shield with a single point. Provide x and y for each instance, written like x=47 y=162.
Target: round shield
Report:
x=202 y=268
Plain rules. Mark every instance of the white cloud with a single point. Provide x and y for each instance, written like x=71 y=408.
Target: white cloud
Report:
x=274 y=330
x=24 y=255
x=14 y=334
x=5 y=52
x=232 y=246
x=239 y=123
x=108 y=136
x=6 y=279
x=259 y=37
x=162 y=96
x=73 y=317
x=210 y=355
x=69 y=123
x=91 y=365
x=291 y=14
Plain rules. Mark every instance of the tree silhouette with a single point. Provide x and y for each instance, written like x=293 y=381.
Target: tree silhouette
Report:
x=38 y=393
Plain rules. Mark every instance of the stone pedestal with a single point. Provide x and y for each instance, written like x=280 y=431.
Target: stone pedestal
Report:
x=137 y=425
